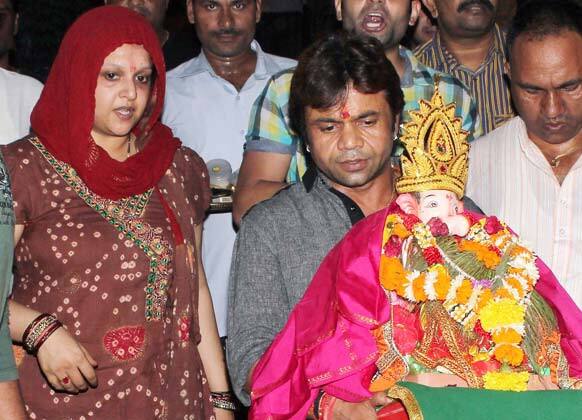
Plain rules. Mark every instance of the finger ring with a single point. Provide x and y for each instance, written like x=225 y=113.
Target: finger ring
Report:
x=65 y=380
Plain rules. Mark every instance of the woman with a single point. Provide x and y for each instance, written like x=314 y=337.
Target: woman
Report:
x=108 y=211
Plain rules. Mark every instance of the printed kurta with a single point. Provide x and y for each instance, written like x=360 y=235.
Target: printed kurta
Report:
x=111 y=273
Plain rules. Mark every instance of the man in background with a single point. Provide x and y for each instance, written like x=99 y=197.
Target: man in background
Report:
x=176 y=51
x=274 y=154
x=470 y=46
x=529 y=172
x=8 y=29
x=348 y=120
x=18 y=93
x=208 y=102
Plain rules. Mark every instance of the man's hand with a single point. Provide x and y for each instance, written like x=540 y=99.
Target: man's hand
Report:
x=365 y=410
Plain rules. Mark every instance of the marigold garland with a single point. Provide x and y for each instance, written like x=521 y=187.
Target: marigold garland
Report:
x=494 y=308
x=506 y=381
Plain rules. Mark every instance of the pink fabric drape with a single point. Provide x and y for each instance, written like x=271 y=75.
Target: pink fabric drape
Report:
x=327 y=343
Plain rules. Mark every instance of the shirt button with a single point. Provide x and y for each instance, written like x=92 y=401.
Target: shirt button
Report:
x=562 y=232
x=564 y=202
x=238 y=97
x=352 y=208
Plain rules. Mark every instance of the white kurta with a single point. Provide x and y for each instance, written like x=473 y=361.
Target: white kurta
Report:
x=211 y=117
x=510 y=178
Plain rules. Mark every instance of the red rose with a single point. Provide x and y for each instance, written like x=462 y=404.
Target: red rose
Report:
x=409 y=220
x=393 y=247
x=438 y=227
x=432 y=255
x=471 y=218
x=492 y=225
x=493 y=248
x=484 y=337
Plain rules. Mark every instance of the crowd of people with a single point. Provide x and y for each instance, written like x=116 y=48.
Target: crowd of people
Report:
x=402 y=227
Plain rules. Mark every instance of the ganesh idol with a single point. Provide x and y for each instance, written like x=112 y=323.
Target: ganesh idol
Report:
x=445 y=311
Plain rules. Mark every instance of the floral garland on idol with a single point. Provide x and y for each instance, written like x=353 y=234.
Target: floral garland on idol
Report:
x=489 y=302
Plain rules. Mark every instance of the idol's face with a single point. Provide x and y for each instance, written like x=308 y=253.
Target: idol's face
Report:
x=122 y=92
x=437 y=203
x=351 y=142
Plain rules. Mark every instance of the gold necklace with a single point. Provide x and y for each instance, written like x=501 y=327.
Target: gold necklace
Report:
x=555 y=161
x=130 y=140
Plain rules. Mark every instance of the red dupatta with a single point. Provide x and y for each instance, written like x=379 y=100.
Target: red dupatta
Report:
x=63 y=117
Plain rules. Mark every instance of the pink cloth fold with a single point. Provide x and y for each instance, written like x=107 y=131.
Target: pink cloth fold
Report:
x=327 y=344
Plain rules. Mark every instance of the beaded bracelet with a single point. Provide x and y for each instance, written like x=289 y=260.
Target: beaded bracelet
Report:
x=38 y=331
x=223 y=400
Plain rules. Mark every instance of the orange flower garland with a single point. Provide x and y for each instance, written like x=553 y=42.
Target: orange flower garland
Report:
x=497 y=310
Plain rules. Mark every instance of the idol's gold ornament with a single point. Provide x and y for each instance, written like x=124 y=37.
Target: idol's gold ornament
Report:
x=436 y=149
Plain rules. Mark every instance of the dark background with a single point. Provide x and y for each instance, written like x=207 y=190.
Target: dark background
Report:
x=44 y=22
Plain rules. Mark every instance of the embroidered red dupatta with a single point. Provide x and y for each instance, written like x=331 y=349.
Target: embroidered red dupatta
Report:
x=64 y=115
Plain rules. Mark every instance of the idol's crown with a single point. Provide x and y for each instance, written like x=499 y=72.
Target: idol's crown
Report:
x=436 y=149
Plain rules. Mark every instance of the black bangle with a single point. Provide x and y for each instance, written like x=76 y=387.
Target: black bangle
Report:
x=316 y=403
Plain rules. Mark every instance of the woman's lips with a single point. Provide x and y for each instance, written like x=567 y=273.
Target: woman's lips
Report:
x=124 y=113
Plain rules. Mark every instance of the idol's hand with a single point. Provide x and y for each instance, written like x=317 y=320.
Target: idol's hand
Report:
x=343 y=410
x=66 y=364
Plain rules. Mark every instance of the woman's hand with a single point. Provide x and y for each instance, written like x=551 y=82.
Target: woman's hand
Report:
x=66 y=364
x=221 y=414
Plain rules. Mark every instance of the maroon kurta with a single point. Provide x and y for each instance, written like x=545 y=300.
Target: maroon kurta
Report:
x=89 y=261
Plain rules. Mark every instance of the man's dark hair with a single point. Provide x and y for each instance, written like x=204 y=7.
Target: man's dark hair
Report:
x=326 y=69
x=539 y=18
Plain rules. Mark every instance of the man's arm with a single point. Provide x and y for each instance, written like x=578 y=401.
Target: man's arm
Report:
x=269 y=148
x=261 y=175
x=11 y=405
x=258 y=303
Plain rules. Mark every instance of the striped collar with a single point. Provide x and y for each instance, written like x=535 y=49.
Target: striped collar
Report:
x=450 y=63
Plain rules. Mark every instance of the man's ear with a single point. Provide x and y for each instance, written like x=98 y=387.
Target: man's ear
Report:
x=431 y=6
x=507 y=68
x=414 y=11
x=190 y=11
x=259 y=6
x=396 y=126
x=338 y=9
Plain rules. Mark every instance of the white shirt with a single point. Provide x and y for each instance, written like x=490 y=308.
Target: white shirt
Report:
x=210 y=116
x=509 y=177
x=18 y=95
